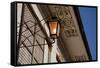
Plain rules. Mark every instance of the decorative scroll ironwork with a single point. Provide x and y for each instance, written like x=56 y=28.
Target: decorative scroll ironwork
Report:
x=68 y=25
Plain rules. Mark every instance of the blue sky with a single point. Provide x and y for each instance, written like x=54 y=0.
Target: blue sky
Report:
x=88 y=16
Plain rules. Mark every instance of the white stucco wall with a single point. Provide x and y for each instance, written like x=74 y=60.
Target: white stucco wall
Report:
x=54 y=47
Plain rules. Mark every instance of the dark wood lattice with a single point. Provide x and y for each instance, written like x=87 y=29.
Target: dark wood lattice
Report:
x=31 y=39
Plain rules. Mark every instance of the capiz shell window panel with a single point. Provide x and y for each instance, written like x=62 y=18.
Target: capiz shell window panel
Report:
x=32 y=40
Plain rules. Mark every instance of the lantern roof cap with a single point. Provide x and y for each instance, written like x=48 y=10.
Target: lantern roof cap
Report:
x=54 y=17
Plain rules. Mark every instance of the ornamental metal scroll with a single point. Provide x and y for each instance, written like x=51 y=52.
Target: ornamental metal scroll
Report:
x=69 y=28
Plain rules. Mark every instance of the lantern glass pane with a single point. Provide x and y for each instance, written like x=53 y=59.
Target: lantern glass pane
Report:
x=58 y=30
x=53 y=27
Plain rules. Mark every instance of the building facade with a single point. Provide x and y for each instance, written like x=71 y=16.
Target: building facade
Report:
x=33 y=35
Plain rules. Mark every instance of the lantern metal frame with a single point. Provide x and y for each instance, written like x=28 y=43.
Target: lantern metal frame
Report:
x=57 y=27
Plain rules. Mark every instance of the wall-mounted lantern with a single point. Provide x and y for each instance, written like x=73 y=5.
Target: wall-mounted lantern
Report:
x=54 y=28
